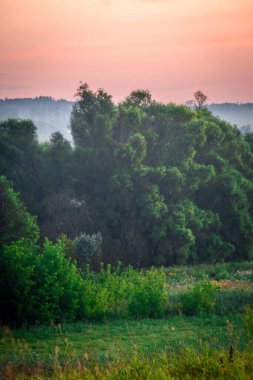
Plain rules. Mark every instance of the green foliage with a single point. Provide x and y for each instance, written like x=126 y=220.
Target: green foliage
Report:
x=17 y=265
x=140 y=97
x=248 y=320
x=135 y=150
x=91 y=115
x=129 y=293
x=68 y=246
x=174 y=348
x=149 y=296
x=233 y=300
x=15 y=221
x=38 y=284
x=89 y=250
x=21 y=161
x=58 y=287
x=201 y=298
x=164 y=183
x=155 y=204
x=222 y=273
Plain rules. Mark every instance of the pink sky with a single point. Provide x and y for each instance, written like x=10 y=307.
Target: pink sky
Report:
x=171 y=47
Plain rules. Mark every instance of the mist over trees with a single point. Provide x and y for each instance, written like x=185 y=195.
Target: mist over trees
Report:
x=240 y=114
x=161 y=184
x=50 y=115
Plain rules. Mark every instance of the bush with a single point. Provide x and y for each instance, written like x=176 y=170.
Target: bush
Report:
x=149 y=295
x=17 y=265
x=58 y=286
x=89 y=250
x=124 y=294
x=221 y=272
x=201 y=298
x=38 y=284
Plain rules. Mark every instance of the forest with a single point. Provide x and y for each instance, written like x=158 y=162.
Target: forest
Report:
x=161 y=184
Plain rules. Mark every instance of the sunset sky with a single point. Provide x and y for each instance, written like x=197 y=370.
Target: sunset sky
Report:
x=171 y=47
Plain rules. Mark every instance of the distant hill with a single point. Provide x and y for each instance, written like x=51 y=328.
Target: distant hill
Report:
x=50 y=115
x=240 y=114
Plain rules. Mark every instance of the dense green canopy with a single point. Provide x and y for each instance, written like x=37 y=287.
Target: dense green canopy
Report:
x=162 y=183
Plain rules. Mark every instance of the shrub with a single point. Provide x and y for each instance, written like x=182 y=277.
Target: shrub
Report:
x=201 y=298
x=38 y=284
x=58 y=286
x=149 y=295
x=124 y=294
x=89 y=250
x=16 y=281
x=221 y=272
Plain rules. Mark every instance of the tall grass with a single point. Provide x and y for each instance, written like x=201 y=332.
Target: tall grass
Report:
x=233 y=300
x=121 y=348
x=227 y=364
x=230 y=271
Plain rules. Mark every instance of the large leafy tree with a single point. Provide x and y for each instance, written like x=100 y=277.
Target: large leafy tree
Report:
x=149 y=176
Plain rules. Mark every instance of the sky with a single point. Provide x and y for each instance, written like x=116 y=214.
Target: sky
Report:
x=171 y=47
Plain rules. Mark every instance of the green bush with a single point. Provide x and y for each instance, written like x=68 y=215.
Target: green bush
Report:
x=201 y=298
x=124 y=294
x=221 y=272
x=89 y=250
x=17 y=266
x=99 y=294
x=38 y=284
x=149 y=295
x=57 y=287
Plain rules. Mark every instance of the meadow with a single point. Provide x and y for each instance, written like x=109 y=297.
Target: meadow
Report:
x=204 y=330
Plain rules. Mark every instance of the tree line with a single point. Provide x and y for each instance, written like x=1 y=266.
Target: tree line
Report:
x=50 y=115
x=160 y=184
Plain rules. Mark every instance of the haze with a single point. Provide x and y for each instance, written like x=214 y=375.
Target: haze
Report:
x=171 y=47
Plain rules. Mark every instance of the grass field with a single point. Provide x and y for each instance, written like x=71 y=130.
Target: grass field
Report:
x=110 y=338
x=209 y=345
x=28 y=349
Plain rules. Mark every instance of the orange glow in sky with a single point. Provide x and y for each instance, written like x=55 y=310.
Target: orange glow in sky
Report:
x=171 y=47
